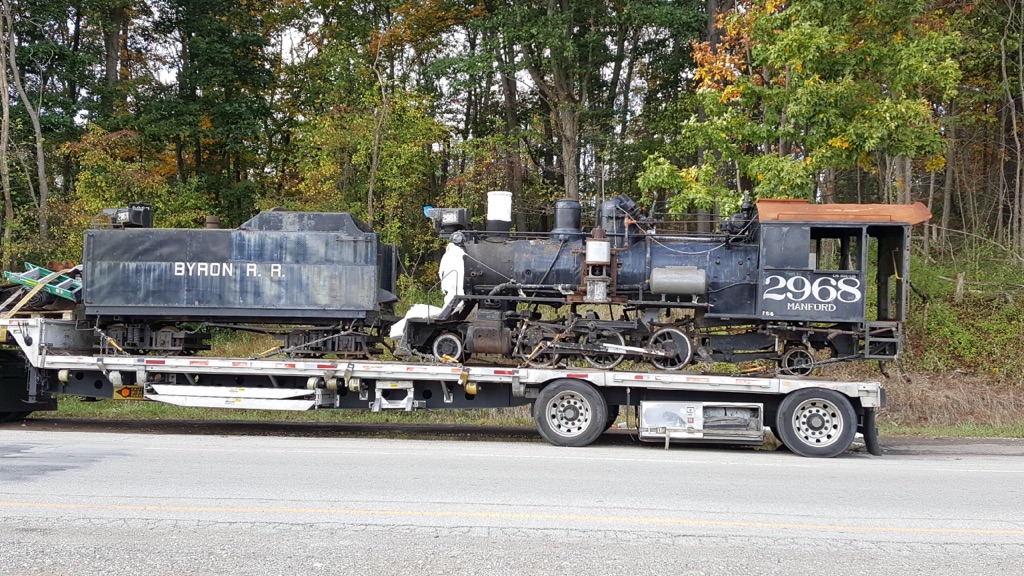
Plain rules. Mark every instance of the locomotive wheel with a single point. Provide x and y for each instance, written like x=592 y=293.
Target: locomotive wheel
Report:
x=816 y=422
x=797 y=361
x=570 y=413
x=544 y=358
x=448 y=345
x=604 y=360
x=676 y=344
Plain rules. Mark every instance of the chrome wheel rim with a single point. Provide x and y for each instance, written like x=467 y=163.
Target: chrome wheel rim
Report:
x=818 y=422
x=569 y=414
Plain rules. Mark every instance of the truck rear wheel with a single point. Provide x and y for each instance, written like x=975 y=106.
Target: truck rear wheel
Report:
x=613 y=415
x=570 y=413
x=815 y=422
x=13 y=416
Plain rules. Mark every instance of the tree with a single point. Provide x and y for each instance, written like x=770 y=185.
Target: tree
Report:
x=797 y=91
x=32 y=110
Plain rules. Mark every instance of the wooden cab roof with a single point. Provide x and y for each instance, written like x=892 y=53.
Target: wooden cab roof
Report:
x=797 y=210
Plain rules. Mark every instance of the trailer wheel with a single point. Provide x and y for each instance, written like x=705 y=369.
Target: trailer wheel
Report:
x=613 y=415
x=13 y=416
x=816 y=422
x=570 y=413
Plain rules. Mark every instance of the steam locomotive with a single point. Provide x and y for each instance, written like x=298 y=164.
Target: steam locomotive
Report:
x=784 y=280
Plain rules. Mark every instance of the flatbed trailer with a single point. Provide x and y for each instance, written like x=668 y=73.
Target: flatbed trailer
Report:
x=571 y=406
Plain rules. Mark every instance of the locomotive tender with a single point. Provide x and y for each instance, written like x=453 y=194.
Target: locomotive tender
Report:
x=783 y=280
x=324 y=277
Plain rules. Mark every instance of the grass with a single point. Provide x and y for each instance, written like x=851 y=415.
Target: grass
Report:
x=74 y=407
x=958 y=431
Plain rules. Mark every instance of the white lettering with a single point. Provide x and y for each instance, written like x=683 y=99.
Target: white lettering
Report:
x=811 y=307
x=213 y=269
x=275 y=271
x=250 y=270
x=823 y=289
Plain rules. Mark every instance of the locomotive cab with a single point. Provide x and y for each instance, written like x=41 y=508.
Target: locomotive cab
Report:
x=816 y=264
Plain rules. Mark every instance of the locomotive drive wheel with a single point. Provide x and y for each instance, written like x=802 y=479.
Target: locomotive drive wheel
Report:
x=448 y=345
x=536 y=336
x=13 y=416
x=797 y=361
x=815 y=422
x=604 y=360
x=676 y=344
x=570 y=413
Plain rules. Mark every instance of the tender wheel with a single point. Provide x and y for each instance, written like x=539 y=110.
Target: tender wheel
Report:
x=816 y=422
x=448 y=346
x=676 y=344
x=797 y=361
x=570 y=413
x=13 y=416
x=604 y=360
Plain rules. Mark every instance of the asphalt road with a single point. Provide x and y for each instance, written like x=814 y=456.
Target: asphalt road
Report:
x=132 y=503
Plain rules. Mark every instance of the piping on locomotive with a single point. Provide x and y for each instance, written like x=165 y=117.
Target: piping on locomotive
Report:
x=783 y=280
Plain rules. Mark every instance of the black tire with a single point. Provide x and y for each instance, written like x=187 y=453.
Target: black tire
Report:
x=13 y=416
x=870 y=431
x=815 y=422
x=613 y=415
x=570 y=413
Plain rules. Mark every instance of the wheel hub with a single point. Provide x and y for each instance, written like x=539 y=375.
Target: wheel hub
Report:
x=569 y=414
x=817 y=422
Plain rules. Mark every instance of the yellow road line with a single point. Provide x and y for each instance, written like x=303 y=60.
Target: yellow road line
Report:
x=515 y=516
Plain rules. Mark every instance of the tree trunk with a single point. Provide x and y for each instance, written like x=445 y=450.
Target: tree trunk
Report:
x=568 y=122
x=828 y=186
x=947 y=183
x=33 y=114
x=928 y=226
x=510 y=101
x=5 y=127
x=112 y=54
